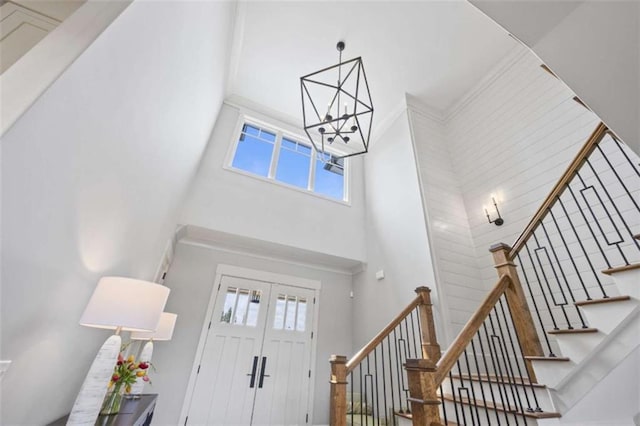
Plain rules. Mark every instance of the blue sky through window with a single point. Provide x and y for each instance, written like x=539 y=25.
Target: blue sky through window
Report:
x=254 y=154
x=294 y=163
x=329 y=179
x=254 y=150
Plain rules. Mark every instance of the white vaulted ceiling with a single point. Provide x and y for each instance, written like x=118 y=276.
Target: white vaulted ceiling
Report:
x=434 y=50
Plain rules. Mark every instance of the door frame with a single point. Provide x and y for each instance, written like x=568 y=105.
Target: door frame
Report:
x=255 y=275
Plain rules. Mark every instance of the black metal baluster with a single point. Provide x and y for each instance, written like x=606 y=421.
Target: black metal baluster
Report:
x=361 y=391
x=564 y=277
x=376 y=381
x=570 y=255
x=472 y=387
x=509 y=364
x=351 y=380
x=546 y=279
x=544 y=295
x=496 y=339
x=393 y=405
x=584 y=250
x=398 y=371
x=516 y=357
x=384 y=381
x=488 y=373
x=493 y=355
x=535 y=305
x=533 y=391
x=584 y=217
x=453 y=395
x=444 y=405
x=405 y=354
x=615 y=206
x=480 y=381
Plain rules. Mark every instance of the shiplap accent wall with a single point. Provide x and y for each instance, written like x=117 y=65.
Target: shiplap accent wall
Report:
x=513 y=136
x=452 y=247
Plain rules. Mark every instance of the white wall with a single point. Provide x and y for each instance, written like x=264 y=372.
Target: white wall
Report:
x=396 y=233
x=453 y=251
x=34 y=72
x=92 y=177
x=227 y=201
x=513 y=135
x=595 y=49
x=191 y=279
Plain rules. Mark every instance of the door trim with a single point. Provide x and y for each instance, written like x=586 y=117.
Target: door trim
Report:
x=255 y=275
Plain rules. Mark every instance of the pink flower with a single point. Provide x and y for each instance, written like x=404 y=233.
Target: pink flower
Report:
x=145 y=378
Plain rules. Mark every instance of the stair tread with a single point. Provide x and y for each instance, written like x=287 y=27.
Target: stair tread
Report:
x=621 y=268
x=546 y=358
x=604 y=300
x=519 y=381
x=497 y=406
x=573 y=331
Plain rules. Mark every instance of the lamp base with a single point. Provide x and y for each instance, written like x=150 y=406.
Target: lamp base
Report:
x=94 y=388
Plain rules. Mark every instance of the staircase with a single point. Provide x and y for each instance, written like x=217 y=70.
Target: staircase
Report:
x=563 y=315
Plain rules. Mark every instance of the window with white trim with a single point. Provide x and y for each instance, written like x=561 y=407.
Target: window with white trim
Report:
x=273 y=155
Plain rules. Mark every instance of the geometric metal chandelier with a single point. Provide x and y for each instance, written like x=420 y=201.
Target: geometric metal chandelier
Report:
x=336 y=108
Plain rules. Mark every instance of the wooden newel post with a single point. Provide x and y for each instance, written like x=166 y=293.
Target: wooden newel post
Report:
x=423 y=397
x=338 y=399
x=430 y=346
x=522 y=319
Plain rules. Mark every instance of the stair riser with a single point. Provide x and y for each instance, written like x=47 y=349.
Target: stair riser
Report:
x=577 y=346
x=482 y=416
x=551 y=373
x=606 y=316
x=628 y=282
x=508 y=394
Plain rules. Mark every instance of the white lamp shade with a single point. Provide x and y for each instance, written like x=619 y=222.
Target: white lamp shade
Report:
x=164 y=331
x=133 y=305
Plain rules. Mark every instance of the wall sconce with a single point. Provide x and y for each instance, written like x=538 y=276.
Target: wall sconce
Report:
x=497 y=221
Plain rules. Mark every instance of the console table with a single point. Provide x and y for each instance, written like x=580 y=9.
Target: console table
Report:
x=133 y=412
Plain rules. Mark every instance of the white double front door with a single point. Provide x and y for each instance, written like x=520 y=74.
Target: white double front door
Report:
x=255 y=364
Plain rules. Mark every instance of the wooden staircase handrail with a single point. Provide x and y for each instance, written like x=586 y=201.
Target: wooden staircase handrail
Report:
x=472 y=326
x=362 y=353
x=560 y=186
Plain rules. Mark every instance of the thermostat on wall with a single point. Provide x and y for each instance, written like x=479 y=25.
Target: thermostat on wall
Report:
x=380 y=274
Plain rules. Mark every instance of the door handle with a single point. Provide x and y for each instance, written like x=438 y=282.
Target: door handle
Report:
x=253 y=372
x=262 y=375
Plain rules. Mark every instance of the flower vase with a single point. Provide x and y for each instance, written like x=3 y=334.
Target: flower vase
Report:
x=112 y=401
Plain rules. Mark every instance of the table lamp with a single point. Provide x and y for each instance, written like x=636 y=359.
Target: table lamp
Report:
x=164 y=332
x=120 y=304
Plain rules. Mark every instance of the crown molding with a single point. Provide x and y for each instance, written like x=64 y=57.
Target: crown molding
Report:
x=419 y=107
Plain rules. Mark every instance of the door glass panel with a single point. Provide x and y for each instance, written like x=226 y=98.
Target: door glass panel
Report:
x=229 y=304
x=254 y=308
x=290 y=313
x=290 y=318
x=241 y=306
x=278 y=321
x=302 y=314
